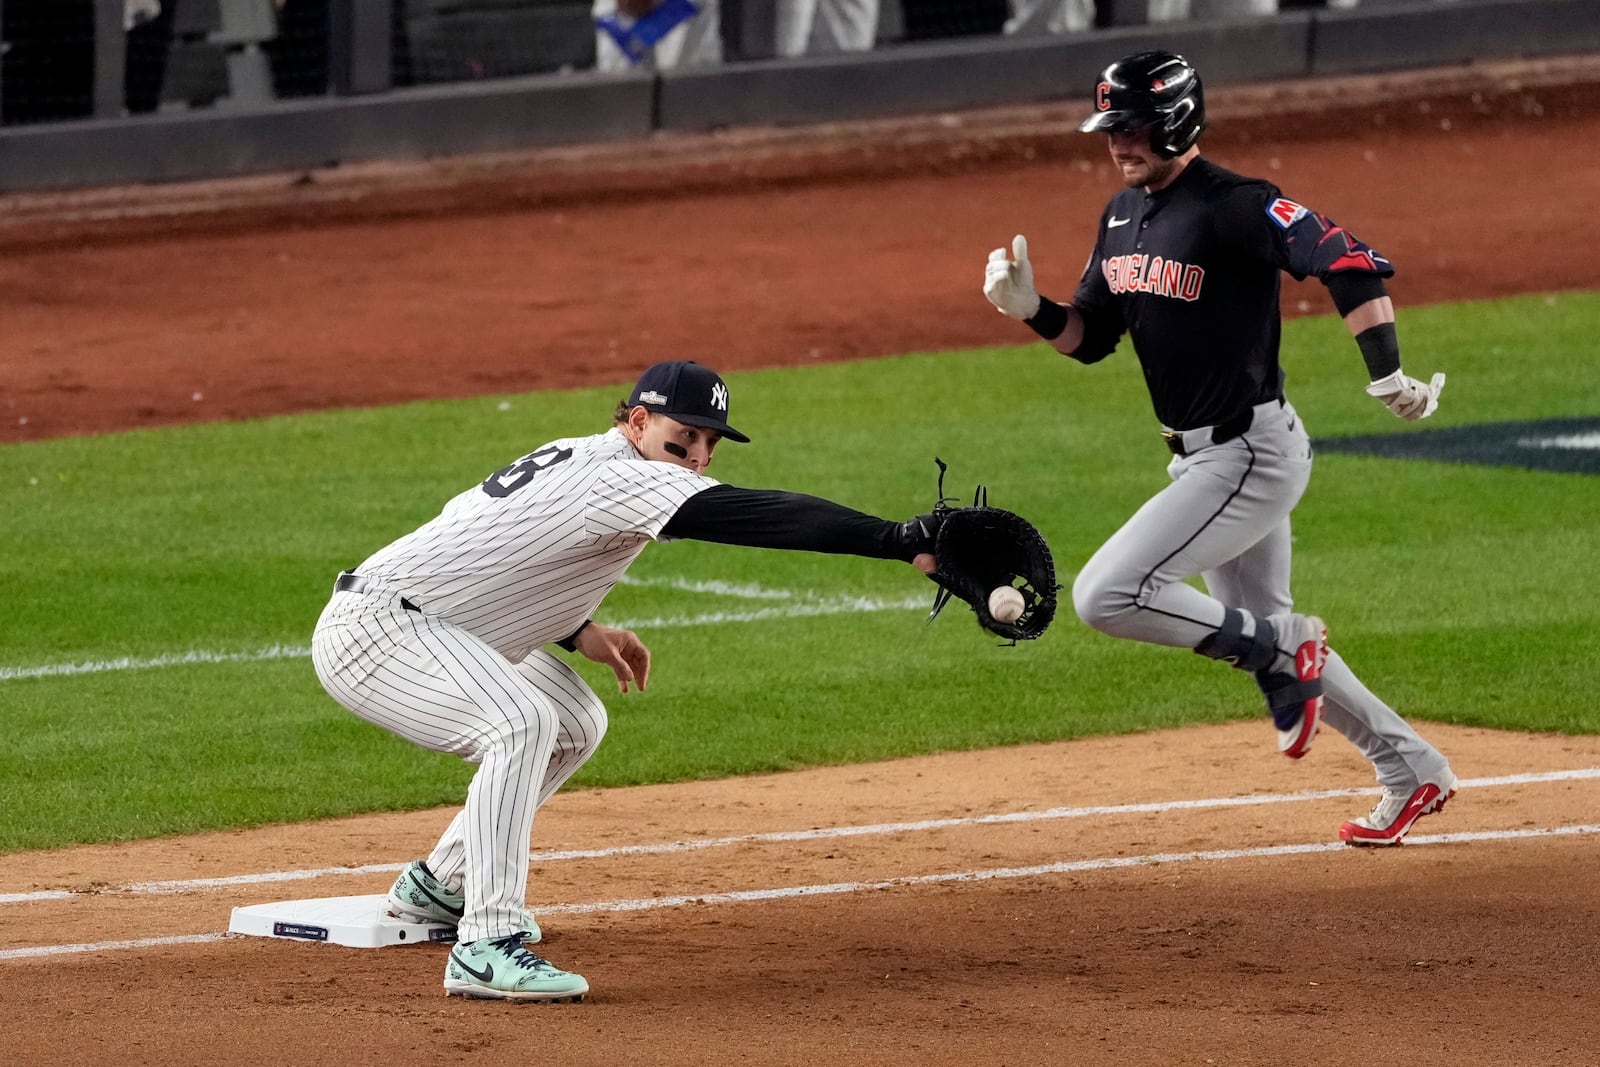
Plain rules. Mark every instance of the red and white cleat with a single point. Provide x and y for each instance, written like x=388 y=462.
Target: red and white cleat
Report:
x=1391 y=819
x=1296 y=699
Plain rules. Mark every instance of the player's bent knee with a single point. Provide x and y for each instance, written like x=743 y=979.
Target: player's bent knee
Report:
x=523 y=726
x=591 y=728
x=1100 y=601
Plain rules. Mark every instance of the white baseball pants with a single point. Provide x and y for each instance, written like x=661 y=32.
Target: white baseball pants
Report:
x=528 y=726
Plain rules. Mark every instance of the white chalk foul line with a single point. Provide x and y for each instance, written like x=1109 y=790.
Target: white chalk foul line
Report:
x=836 y=888
x=190 y=885
x=171 y=659
x=106 y=946
x=1064 y=867
x=795 y=606
x=741 y=591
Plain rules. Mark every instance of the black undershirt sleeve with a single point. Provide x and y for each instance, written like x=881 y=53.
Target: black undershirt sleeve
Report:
x=773 y=518
x=1102 y=329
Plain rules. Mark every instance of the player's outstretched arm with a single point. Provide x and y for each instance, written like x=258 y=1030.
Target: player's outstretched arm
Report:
x=776 y=518
x=1008 y=285
x=621 y=650
x=1372 y=325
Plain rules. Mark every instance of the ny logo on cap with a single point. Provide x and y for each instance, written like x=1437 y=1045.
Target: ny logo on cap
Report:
x=719 y=397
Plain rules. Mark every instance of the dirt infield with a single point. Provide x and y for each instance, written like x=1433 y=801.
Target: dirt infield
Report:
x=132 y=308
x=1464 y=952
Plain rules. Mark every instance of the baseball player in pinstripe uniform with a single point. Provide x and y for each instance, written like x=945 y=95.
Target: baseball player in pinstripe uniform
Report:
x=1188 y=263
x=443 y=638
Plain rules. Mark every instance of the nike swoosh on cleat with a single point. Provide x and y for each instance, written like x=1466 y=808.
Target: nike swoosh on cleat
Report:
x=485 y=975
x=1114 y=222
x=441 y=904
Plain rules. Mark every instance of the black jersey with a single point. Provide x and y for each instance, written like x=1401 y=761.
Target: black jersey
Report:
x=1192 y=274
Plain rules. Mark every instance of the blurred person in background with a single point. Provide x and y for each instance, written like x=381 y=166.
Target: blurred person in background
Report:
x=656 y=34
x=673 y=34
x=149 y=40
x=1035 y=18
x=826 y=27
x=297 y=51
x=1182 y=10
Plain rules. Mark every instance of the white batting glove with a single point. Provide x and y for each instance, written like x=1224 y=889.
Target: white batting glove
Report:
x=1008 y=282
x=1407 y=397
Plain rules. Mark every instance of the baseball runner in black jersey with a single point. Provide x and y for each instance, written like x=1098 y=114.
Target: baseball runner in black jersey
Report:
x=442 y=638
x=1188 y=263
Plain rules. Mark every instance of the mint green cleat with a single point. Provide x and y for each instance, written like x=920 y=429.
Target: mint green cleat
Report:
x=420 y=897
x=502 y=968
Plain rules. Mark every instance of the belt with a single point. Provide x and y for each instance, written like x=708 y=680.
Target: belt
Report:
x=1188 y=442
x=354 y=583
x=350 y=583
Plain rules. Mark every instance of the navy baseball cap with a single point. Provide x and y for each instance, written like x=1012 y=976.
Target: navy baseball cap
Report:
x=688 y=392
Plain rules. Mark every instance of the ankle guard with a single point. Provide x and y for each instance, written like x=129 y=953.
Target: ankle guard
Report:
x=1286 y=697
x=1229 y=644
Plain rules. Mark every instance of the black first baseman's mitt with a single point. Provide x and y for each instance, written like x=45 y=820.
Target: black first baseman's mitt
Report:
x=980 y=549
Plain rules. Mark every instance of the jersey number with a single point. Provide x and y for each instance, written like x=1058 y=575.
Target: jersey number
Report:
x=508 y=480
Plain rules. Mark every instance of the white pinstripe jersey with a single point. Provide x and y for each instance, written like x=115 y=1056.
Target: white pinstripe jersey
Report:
x=524 y=558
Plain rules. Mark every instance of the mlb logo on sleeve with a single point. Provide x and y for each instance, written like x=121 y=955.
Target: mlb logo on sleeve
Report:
x=1286 y=212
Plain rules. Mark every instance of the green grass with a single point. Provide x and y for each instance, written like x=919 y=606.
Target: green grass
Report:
x=1463 y=594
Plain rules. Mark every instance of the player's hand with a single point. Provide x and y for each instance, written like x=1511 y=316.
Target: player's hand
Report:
x=1407 y=397
x=918 y=536
x=1008 y=281
x=621 y=650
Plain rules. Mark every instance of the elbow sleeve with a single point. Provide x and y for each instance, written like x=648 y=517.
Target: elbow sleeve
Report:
x=1351 y=289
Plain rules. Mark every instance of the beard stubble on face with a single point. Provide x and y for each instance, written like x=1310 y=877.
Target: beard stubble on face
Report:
x=1145 y=172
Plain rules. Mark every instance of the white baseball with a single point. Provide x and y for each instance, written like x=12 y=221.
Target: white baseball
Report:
x=1005 y=604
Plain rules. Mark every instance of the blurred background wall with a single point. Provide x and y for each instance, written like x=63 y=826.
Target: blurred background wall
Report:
x=106 y=92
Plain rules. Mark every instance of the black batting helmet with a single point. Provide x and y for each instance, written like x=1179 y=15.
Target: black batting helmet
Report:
x=1155 y=89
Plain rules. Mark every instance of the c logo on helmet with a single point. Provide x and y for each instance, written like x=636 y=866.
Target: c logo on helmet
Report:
x=1102 y=96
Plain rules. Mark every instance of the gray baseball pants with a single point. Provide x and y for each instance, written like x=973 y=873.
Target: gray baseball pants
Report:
x=1225 y=518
